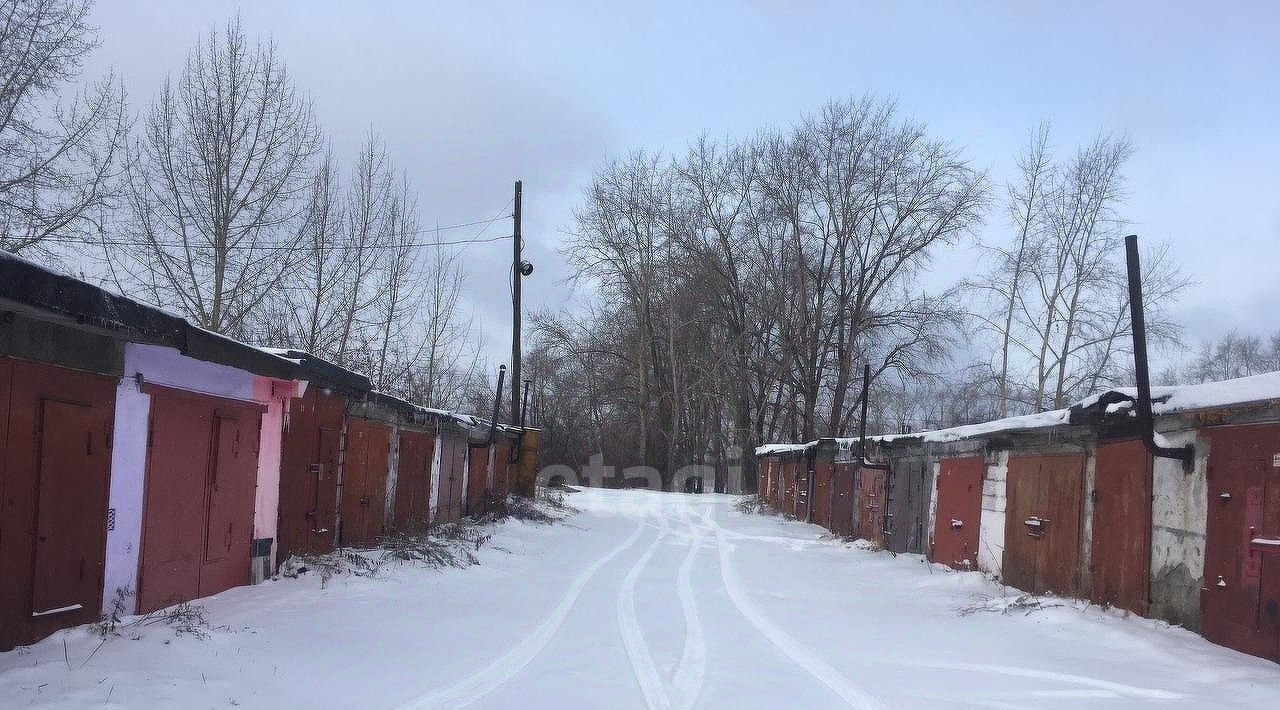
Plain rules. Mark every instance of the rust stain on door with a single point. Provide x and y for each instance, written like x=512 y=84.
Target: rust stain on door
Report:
x=477 y=479
x=453 y=452
x=871 y=505
x=842 y=498
x=789 y=486
x=364 y=481
x=822 y=491
x=1241 y=592
x=958 y=513
x=413 y=481
x=1042 y=523
x=1120 y=551
x=309 y=474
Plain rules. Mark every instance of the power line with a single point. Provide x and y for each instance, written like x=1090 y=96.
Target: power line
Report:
x=303 y=244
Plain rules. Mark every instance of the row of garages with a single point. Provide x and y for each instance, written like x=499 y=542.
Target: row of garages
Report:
x=146 y=462
x=1070 y=502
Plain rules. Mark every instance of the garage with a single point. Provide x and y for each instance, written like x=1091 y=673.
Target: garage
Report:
x=958 y=513
x=365 y=464
x=55 y=459
x=1241 y=597
x=907 y=505
x=801 y=503
x=1042 y=523
x=201 y=475
x=870 y=502
x=309 y=474
x=822 y=488
x=789 y=486
x=453 y=460
x=843 y=474
x=413 y=481
x=1120 y=549
x=477 y=477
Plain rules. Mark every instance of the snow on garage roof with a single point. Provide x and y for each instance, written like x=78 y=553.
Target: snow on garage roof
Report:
x=1165 y=400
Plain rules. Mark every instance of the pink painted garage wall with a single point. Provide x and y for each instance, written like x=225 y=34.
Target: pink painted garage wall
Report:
x=275 y=394
x=166 y=366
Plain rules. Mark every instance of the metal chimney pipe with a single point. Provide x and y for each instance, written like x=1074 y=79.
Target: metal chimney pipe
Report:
x=1146 y=427
x=862 y=423
x=497 y=402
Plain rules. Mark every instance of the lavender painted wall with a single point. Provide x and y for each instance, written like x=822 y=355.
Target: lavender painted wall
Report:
x=128 y=464
x=166 y=366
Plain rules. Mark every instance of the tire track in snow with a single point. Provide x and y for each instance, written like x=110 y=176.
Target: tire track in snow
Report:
x=477 y=685
x=691 y=670
x=1097 y=683
x=792 y=648
x=638 y=653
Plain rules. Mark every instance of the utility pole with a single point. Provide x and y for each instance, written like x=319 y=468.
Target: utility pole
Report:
x=517 y=273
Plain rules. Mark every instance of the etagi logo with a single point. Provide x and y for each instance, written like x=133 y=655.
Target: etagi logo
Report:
x=694 y=478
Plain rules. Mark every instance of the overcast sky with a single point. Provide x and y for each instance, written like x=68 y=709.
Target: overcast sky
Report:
x=470 y=98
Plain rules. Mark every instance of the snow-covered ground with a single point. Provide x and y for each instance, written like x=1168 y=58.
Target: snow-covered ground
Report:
x=644 y=599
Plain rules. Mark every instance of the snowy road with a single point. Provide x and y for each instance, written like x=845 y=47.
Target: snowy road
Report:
x=645 y=599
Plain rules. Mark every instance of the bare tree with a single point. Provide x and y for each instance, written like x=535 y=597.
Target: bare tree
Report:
x=1008 y=277
x=1057 y=291
x=58 y=157
x=215 y=183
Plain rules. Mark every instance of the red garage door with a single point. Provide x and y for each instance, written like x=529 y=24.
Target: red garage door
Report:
x=958 y=513
x=477 y=479
x=309 y=474
x=871 y=505
x=1042 y=523
x=789 y=486
x=202 y=470
x=413 y=481
x=55 y=459
x=1241 y=597
x=822 y=492
x=1120 y=554
x=842 y=481
x=364 y=482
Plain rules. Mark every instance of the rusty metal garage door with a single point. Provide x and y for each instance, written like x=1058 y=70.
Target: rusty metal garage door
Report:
x=55 y=452
x=1042 y=523
x=501 y=476
x=770 y=474
x=202 y=472
x=870 y=503
x=1241 y=597
x=802 y=488
x=789 y=486
x=907 y=505
x=453 y=452
x=843 y=475
x=1120 y=551
x=413 y=481
x=477 y=479
x=309 y=474
x=958 y=513
x=364 y=481
x=822 y=491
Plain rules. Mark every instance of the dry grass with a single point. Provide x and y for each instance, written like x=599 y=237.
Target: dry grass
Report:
x=752 y=505
x=1022 y=604
x=437 y=547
